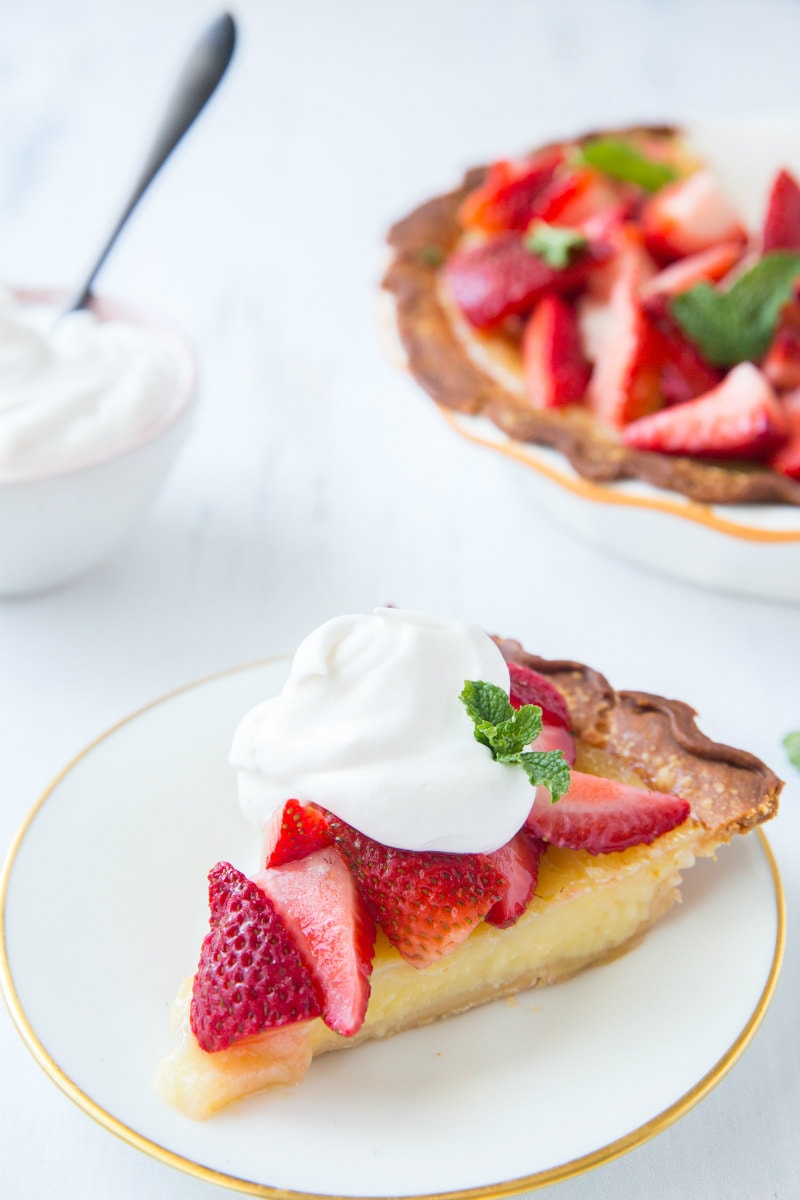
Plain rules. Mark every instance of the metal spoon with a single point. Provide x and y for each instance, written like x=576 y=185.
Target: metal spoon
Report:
x=197 y=83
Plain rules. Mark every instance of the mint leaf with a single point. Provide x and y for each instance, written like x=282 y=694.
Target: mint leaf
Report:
x=792 y=744
x=621 y=160
x=507 y=731
x=547 y=768
x=556 y=244
x=738 y=325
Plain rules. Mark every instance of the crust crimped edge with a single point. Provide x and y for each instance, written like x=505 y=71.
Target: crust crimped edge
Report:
x=730 y=790
x=438 y=360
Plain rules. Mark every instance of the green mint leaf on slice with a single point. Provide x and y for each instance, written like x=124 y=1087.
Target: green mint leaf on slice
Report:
x=547 y=768
x=792 y=744
x=622 y=160
x=556 y=244
x=486 y=702
x=739 y=325
x=509 y=738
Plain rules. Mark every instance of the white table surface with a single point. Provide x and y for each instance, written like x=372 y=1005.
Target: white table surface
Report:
x=318 y=479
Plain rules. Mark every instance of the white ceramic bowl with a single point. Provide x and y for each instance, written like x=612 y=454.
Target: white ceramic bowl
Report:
x=55 y=526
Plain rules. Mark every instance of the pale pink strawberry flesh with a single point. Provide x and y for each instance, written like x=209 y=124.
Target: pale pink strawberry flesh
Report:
x=320 y=904
x=603 y=816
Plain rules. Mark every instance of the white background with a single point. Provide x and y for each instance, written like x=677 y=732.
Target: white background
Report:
x=318 y=479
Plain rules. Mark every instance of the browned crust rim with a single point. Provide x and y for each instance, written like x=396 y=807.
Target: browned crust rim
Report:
x=438 y=362
x=730 y=790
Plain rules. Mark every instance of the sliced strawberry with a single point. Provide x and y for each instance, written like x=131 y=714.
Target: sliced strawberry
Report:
x=425 y=902
x=787 y=460
x=555 y=369
x=708 y=266
x=575 y=196
x=529 y=687
x=322 y=908
x=506 y=198
x=781 y=364
x=295 y=831
x=689 y=216
x=501 y=278
x=518 y=864
x=602 y=815
x=625 y=383
x=251 y=975
x=741 y=418
x=683 y=372
x=782 y=221
x=556 y=737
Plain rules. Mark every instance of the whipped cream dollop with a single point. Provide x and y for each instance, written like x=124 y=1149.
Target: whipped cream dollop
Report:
x=370 y=726
x=75 y=388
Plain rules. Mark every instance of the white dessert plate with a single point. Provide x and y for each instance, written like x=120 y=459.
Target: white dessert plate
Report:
x=104 y=908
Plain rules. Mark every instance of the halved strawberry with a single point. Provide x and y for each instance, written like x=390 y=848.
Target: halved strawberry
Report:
x=554 y=367
x=506 y=198
x=575 y=196
x=782 y=221
x=683 y=372
x=426 y=902
x=251 y=975
x=602 y=815
x=518 y=864
x=295 y=831
x=781 y=364
x=529 y=687
x=787 y=460
x=501 y=278
x=707 y=266
x=689 y=216
x=741 y=418
x=321 y=906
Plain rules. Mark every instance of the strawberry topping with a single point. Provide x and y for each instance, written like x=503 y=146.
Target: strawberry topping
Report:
x=529 y=687
x=555 y=369
x=251 y=976
x=426 y=902
x=787 y=460
x=518 y=864
x=322 y=908
x=689 y=216
x=506 y=198
x=782 y=222
x=295 y=831
x=602 y=815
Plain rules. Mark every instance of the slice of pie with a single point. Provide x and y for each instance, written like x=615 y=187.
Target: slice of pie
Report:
x=342 y=937
x=604 y=296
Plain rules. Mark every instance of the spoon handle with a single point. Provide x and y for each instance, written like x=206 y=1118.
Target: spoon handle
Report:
x=198 y=81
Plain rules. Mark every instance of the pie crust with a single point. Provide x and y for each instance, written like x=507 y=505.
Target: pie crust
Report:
x=465 y=370
x=586 y=908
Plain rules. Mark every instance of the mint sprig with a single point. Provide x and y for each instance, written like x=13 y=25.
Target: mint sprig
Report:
x=556 y=244
x=507 y=731
x=739 y=325
x=792 y=744
x=624 y=161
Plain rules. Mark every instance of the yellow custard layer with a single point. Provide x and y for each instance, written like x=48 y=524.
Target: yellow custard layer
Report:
x=585 y=908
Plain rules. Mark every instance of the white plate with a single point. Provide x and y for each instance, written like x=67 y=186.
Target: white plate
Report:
x=104 y=905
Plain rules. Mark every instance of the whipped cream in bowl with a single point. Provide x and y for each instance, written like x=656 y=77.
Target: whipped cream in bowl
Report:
x=370 y=726
x=94 y=406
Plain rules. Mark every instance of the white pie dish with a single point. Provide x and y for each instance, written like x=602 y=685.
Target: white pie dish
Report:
x=56 y=525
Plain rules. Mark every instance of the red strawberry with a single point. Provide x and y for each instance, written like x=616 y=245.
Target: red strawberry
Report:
x=575 y=196
x=683 y=372
x=708 y=266
x=625 y=383
x=295 y=831
x=426 y=902
x=529 y=687
x=555 y=369
x=518 y=864
x=506 y=198
x=322 y=909
x=689 y=216
x=741 y=418
x=787 y=460
x=781 y=364
x=501 y=278
x=556 y=737
x=601 y=815
x=782 y=222
x=251 y=976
